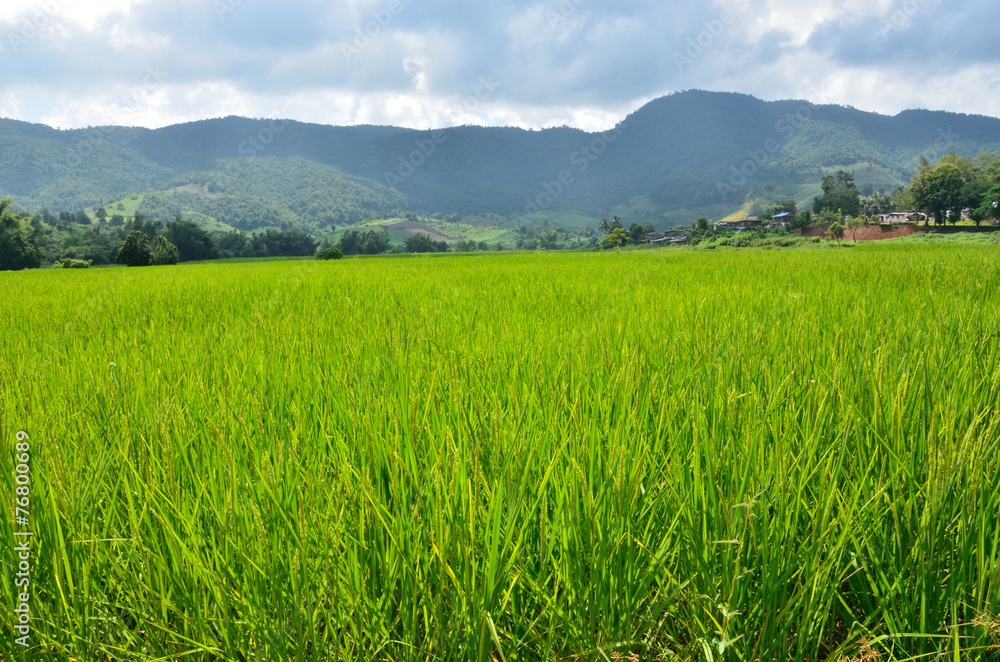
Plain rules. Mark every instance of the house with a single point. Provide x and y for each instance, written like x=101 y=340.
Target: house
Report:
x=739 y=226
x=902 y=217
x=783 y=220
x=668 y=237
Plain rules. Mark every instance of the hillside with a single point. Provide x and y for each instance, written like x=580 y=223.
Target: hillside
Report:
x=683 y=155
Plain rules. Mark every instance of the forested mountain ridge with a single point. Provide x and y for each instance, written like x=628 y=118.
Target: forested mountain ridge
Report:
x=684 y=154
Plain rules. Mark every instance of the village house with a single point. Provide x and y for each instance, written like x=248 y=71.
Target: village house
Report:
x=783 y=220
x=668 y=237
x=739 y=226
x=902 y=217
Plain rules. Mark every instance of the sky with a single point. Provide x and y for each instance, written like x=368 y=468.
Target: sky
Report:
x=438 y=63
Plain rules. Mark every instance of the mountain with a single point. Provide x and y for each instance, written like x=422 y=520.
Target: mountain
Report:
x=683 y=155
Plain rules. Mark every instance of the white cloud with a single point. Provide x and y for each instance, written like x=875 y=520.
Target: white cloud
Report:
x=10 y=107
x=574 y=62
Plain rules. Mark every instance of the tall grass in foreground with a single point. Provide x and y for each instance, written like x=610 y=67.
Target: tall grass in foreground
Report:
x=695 y=456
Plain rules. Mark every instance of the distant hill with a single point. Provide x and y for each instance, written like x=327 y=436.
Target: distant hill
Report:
x=683 y=155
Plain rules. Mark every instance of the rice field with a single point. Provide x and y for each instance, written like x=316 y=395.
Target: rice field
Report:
x=670 y=455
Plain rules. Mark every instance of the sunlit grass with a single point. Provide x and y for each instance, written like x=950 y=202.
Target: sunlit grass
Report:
x=754 y=455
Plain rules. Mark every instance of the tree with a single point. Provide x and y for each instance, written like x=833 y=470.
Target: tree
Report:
x=617 y=237
x=371 y=242
x=101 y=214
x=784 y=207
x=902 y=200
x=970 y=197
x=192 y=242
x=989 y=206
x=853 y=223
x=607 y=227
x=420 y=242
x=636 y=233
x=938 y=189
x=165 y=253
x=135 y=251
x=876 y=204
x=17 y=250
x=233 y=244
x=802 y=221
x=350 y=242
x=139 y=224
x=837 y=231
x=702 y=225
x=840 y=194
x=548 y=240
x=283 y=243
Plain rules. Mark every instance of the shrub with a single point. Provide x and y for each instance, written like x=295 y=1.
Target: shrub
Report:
x=330 y=254
x=70 y=263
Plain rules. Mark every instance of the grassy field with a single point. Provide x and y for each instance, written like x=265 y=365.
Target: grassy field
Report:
x=672 y=455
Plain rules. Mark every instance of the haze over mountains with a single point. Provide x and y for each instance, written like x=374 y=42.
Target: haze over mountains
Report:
x=678 y=157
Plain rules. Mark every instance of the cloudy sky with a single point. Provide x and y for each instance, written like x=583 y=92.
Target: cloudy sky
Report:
x=435 y=63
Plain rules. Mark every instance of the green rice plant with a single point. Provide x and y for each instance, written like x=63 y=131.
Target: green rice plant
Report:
x=653 y=455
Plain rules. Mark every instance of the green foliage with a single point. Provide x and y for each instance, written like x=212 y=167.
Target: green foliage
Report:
x=548 y=240
x=139 y=223
x=840 y=194
x=607 y=227
x=70 y=263
x=937 y=190
x=134 y=252
x=803 y=220
x=192 y=242
x=17 y=250
x=837 y=231
x=288 y=243
x=616 y=238
x=420 y=242
x=368 y=242
x=331 y=253
x=637 y=233
x=277 y=193
x=989 y=206
x=165 y=252
x=783 y=207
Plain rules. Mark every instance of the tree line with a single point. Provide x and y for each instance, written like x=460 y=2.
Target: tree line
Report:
x=29 y=240
x=944 y=192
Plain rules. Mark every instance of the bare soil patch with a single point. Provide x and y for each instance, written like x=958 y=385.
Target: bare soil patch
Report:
x=413 y=227
x=869 y=232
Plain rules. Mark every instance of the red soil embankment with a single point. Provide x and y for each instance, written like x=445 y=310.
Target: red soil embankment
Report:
x=868 y=232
